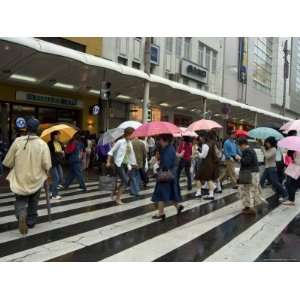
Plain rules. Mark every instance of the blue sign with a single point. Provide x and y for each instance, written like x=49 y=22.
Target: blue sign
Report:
x=20 y=123
x=96 y=110
x=154 y=54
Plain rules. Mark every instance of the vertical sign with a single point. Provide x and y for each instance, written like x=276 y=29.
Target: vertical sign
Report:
x=243 y=59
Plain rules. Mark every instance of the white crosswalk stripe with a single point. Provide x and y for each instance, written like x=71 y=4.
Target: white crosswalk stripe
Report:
x=89 y=226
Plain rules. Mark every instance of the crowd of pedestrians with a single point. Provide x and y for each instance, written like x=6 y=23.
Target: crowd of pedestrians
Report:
x=206 y=161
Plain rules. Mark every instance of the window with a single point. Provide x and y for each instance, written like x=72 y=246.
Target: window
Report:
x=122 y=60
x=201 y=54
x=207 y=59
x=178 y=46
x=136 y=65
x=214 y=62
x=262 y=74
x=169 y=45
x=187 y=48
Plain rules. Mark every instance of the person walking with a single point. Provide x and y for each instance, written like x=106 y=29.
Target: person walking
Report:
x=184 y=152
x=74 y=151
x=249 y=190
x=124 y=160
x=30 y=161
x=269 y=150
x=293 y=179
x=232 y=154
x=208 y=169
x=166 y=188
x=57 y=156
x=138 y=173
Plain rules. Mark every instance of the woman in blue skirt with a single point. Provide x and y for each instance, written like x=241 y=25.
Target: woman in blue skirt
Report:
x=166 y=189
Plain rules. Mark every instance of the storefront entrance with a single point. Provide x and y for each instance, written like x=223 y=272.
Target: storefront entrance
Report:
x=9 y=112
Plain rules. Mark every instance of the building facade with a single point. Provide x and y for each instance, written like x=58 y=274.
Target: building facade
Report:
x=254 y=73
x=37 y=91
x=194 y=61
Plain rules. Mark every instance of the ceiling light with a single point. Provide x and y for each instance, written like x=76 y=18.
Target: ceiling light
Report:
x=180 y=107
x=23 y=78
x=217 y=115
x=123 y=97
x=165 y=104
x=6 y=48
x=64 y=86
x=96 y=92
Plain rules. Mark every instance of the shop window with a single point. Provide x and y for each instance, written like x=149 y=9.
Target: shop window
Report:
x=122 y=60
x=136 y=65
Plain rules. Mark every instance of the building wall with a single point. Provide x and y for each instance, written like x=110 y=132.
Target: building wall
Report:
x=93 y=44
x=255 y=96
x=130 y=51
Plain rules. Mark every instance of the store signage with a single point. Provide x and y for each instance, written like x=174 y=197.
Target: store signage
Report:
x=95 y=110
x=154 y=54
x=194 y=71
x=48 y=99
x=20 y=123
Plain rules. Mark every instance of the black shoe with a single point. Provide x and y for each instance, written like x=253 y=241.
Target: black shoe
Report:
x=84 y=190
x=235 y=187
x=218 y=191
x=209 y=198
x=31 y=225
x=180 y=209
x=157 y=217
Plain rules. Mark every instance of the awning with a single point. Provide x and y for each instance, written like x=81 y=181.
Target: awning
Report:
x=53 y=63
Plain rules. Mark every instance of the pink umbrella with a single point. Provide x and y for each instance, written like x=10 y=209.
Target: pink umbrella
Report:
x=290 y=143
x=285 y=127
x=204 y=125
x=186 y=132
x=156 y=128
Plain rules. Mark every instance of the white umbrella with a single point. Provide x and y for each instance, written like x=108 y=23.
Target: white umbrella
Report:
x=132 y=124
x=110 y=136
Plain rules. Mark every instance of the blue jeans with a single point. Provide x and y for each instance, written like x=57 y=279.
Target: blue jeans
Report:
x=75 y=172
x=55 y=180
x=272 y=175
x=135 y=182
x=1 y=169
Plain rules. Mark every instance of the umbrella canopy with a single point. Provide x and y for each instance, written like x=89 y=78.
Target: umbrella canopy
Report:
x=66 y=132
x=241 y=133
x=261 y=133
x=290 y=143
x=110 y=136
x=186 y=132
x=204 y=124
x=132 y=124
x=156 y=128
x=291 y=125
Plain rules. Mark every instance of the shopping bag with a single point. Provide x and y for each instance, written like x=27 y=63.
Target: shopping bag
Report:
x=107 y=183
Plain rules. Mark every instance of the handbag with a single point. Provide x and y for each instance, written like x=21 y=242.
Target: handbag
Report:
x=165 y=176
x=107 y=183
x=245 y=177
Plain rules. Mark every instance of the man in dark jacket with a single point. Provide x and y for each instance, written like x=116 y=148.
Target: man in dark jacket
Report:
x=250 y=193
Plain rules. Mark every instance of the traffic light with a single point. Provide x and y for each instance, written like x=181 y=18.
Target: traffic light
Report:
x=149 y=117
x=105 y=90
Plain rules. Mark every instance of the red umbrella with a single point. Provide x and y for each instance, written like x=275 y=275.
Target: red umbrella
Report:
x=241 y=133
x=204 y=125
x=156 y=128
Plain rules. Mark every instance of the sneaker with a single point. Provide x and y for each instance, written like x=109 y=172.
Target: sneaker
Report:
x=56 y=197
x=198 y=194
x=23 y=225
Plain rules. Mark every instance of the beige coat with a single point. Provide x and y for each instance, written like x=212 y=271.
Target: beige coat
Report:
x=29 y=160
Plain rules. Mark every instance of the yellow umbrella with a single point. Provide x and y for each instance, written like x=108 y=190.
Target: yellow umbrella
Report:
x=66 y=132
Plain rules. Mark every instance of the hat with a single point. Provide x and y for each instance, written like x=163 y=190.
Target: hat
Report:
x=33 y=124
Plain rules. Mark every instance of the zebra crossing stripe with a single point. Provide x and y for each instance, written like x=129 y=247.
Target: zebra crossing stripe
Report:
x=251 y=243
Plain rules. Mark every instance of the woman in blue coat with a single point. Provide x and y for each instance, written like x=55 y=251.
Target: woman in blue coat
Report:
x=166 y=190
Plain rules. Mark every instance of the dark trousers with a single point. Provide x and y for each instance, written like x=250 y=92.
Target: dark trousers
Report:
x=186 y=165
x=144 y=176
x=280 y=170
x=75 y=171
x=28 y=206
x=272 y=176
x=55 y=180
x=292 y=185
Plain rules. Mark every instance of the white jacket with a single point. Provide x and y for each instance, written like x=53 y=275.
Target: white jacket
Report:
x=29 y=160
x=118 y=152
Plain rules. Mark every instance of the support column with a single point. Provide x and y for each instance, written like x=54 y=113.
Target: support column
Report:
x=255 y=119
x=147 y=65
x=204 y=106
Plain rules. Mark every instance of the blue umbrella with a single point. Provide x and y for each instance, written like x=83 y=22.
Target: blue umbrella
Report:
x=261 y=133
